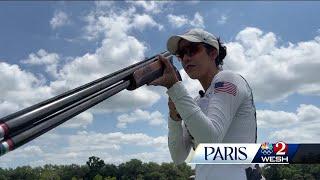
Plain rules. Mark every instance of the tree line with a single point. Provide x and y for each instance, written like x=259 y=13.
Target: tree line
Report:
x=292 y=171
x=96 y=169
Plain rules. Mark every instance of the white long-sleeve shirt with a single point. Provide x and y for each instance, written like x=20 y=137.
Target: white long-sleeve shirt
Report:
x=218 y=117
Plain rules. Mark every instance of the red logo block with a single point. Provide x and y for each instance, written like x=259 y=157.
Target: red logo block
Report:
x=280 y=148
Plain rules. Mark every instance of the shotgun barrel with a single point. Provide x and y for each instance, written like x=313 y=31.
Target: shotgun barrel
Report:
x=23 y=126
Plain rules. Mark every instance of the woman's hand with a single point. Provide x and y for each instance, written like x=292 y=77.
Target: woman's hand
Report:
x=169 y=77
x=173 y=111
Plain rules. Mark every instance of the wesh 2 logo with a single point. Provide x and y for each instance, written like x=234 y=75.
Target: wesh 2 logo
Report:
x=274 y=153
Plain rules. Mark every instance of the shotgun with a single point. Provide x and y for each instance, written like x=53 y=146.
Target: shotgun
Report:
x=27 y=124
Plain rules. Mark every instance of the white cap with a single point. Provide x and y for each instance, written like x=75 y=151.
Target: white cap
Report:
x=193 y=35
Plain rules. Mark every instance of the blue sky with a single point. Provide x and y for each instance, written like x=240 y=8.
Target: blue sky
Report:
x=47 y=48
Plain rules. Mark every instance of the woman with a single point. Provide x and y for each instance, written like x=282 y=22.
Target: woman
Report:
x=223 y=113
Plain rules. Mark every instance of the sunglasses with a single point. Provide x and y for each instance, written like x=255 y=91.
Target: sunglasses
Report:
x=189 y=50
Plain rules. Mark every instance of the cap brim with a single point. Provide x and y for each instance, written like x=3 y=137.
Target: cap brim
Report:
x=172 y=43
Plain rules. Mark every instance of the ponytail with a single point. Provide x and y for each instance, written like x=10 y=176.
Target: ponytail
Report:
x=222 y=52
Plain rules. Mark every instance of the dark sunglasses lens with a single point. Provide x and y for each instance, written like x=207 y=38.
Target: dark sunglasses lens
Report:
x=189 y=50
x=180 y=54
x=193 y=49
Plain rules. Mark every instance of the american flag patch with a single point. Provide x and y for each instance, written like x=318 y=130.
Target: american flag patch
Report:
x=226 y=87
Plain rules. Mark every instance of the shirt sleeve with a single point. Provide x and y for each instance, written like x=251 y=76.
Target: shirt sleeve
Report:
x=179 y=141
x=210 y=127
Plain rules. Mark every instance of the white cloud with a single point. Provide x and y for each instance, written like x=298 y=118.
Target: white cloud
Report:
x=31 y=150
x=111 y=56
x=117 y=138
x=177 y=21
x=115 y=25
x=111 y=24
x=300 y=127
x=223 y=19
x=197 y=20
x=24 y=152
x=25 y=88
x=22 y=88
x=82 y=120
x=182 y=20
x=142 y=21
x=111 y=147
x=42 y=57
x=7 y=107
x=268 y=118
x=158 y=157
x=59 y=19
x=274 y=71
x=153 y=7
x=128 y=100
x=155 y=118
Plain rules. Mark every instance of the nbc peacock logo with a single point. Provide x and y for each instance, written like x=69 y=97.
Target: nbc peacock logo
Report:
x=266 y=149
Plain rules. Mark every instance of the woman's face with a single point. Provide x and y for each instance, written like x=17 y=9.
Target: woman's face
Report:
x=195 y=60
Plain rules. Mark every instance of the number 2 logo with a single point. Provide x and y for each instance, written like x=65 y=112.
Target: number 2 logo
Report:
x=280 y=148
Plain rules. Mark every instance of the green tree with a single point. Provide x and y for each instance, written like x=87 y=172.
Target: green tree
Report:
x=292 y=171
x=66 y=172
x=3 y=174
x=98 y=177
x=170 y=171
x=315 y=171
x=151 y=166
x=109 y=170
x=24 y=172
x=308 y=177
x=287 y=172
x=110 y=178
x=185 y=171
x=49 y=174
x=96 y=169
x=154 y=175
x=297 y=177
x=152 y=171
x=95 y=164
x=131 y=169
x=271 y=172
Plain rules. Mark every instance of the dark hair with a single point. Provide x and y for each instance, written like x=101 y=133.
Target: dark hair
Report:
x=222 y=52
